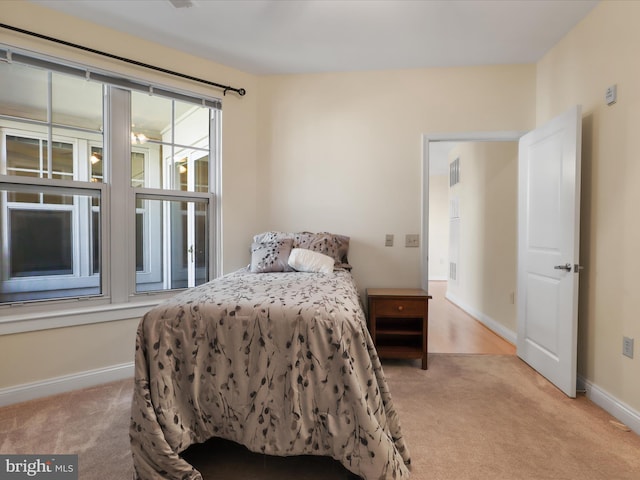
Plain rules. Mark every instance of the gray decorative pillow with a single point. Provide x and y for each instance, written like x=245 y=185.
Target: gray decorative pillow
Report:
x=271 y=256
x=336 y=246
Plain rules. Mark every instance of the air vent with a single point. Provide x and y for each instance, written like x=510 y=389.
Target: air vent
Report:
x=454 y=207
x=454 y=249
x=454 y=172
x=453 y=271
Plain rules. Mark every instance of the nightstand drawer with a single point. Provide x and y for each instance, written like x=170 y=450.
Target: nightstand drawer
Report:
x=401 y=307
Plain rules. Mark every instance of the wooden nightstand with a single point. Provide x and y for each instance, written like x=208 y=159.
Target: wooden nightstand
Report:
x=399 y=322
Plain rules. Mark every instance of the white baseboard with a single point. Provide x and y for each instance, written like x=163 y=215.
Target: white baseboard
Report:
x=610 y=404
x=65 y=383
x=487 y=321
x=443 y=278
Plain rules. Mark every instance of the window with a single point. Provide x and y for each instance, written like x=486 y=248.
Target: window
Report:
x=171 y=229
x=63 y=180
x=49 y=214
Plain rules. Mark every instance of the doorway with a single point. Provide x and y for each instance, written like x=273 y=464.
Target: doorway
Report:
x=469 y=258
x=452 y=330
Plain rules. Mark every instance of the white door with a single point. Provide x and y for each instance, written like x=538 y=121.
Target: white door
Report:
x=548 y=248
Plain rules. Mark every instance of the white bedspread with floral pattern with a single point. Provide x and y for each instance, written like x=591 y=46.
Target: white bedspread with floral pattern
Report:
x=281 y=363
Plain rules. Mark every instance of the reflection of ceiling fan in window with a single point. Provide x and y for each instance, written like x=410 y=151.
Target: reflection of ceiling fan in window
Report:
x=181 y=3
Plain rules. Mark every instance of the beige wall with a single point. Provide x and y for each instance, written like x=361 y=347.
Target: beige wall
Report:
x=487 y=263
x=342 y=152
x=601 y=51
x=33 y=356
x=438 y=227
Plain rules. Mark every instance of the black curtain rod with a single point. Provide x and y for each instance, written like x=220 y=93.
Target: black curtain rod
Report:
x=224 y=88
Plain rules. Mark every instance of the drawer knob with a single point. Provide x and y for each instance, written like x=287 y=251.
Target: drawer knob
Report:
x=400 y=308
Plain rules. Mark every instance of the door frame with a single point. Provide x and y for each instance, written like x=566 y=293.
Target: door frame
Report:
x=497 y=136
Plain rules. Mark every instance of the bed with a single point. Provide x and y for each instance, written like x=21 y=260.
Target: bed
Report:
x=277 y=360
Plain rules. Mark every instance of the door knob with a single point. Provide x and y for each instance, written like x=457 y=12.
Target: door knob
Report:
x=566 y=267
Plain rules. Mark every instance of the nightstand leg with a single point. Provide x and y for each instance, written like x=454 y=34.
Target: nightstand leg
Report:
x=425 y=348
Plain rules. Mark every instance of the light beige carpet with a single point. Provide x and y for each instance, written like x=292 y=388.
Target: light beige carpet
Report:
x=493 y=417
x=467 y=417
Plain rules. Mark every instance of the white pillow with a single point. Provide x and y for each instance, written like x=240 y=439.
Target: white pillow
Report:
x=304 y=260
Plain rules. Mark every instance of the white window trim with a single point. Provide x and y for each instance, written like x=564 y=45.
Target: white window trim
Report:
x=50 y=318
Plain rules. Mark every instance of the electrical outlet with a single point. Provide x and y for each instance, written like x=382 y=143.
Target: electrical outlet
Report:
x=627 y=347
x=412 y=240
x=388 y=240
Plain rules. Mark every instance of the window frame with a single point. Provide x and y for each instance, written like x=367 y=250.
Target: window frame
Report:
x=118 y=300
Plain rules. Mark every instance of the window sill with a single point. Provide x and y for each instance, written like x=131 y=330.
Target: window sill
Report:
x=34 y=321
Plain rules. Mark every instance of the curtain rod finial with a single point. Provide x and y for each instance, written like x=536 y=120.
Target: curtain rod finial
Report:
x=240 y=91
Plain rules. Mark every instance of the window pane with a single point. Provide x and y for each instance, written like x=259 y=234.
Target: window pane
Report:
x=146 y=168
x=180 y=242
x=172 y=135
x=76 y=102
x=21 y=197
x=192 y=125
x=29 y=157
x=201 y=246
x=24 y=156
x=137 y=170
x=34 y=254
x=95 y=238
x=24 y=91
x=186 y=226
x=140 y=239
x=150 y=118
x=53 y=199
x=50 y=244
x=201 y=176
x=181 y=172
x=62 y=159
x=96 y=164
x=191 y=171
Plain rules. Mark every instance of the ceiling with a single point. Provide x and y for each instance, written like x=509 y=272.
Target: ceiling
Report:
x=311 y=36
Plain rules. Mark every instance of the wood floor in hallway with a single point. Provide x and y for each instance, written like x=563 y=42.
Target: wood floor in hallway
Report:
x=452 y=330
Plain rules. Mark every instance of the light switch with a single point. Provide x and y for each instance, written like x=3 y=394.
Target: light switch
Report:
x=388 y=240
x=412 y=240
